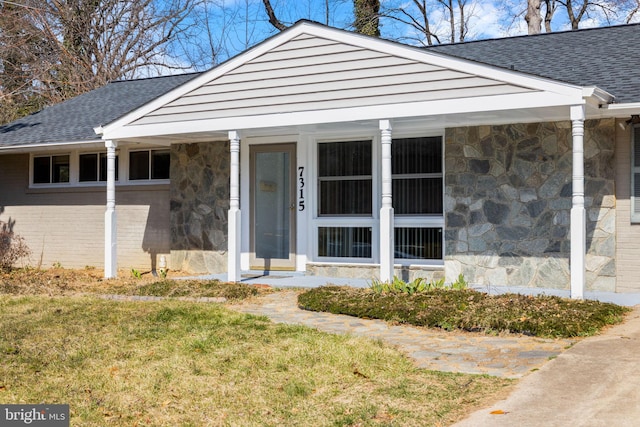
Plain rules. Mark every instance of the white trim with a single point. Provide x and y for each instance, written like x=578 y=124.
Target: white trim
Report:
x=374 y=112
x=74 y=165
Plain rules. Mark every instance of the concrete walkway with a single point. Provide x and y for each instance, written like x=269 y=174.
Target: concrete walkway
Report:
x=510 y=356
x=595 y=383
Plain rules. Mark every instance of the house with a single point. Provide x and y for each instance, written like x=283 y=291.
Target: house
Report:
x=332 y=153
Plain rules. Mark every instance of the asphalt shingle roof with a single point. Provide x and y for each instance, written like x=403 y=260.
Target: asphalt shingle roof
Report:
x=74 y=119
x=604 y=57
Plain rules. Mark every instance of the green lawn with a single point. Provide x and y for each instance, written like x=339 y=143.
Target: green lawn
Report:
x=179 y=363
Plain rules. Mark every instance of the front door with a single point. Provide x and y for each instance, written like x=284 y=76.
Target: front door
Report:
x=273 y=213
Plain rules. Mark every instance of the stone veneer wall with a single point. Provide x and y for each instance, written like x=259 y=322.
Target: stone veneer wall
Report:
x=199 y=203
x=508 y=201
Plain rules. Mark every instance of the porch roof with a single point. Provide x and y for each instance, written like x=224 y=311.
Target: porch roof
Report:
x=311 y=76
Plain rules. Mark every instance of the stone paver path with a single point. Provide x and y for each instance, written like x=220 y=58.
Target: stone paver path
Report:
x=504 y=356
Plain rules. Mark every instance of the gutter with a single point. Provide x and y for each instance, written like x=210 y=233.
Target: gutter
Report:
x=43 y=146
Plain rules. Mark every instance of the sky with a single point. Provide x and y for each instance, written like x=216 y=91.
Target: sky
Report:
x=224 y=28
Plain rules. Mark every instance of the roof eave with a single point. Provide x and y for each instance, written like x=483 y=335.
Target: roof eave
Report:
x=25 y=148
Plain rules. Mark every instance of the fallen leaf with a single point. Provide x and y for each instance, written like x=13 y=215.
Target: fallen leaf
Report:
x=498 y=412
x=3 y=387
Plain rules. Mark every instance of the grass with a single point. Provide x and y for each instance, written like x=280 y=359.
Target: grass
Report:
x=188 y=364
x=468 y=310
x=60 y=281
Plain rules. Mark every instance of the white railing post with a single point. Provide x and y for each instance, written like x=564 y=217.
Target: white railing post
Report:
x=386 y=211
x=578 y=215
x=110 y=217
x=234 y=209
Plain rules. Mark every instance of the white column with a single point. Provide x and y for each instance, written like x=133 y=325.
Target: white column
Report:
x=110 y=227
x=578 y=215
x=234 y=209
x=386 y=211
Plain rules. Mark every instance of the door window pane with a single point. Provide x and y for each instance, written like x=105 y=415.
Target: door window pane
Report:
x=271 y=201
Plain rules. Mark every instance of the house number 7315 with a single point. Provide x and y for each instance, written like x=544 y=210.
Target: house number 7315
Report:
x=301 y=188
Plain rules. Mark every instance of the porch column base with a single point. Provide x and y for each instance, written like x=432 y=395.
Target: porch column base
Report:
x=234 y=246
x=386 y=244
x=578 y=249
x=110 y=247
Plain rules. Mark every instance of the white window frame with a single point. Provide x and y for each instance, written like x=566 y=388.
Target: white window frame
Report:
x=366 y=221
x=74 y=168
x=97 y=182
x=424 y=220
x=148 y=180
x=411 y=221
x=32 y=158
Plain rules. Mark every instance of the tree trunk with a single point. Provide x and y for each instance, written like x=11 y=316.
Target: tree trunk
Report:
x=367 y=14
x=533 y=17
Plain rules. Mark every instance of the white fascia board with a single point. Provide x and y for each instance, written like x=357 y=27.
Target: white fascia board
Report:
x=26 y=148
x=619 y=110
x=376 y=112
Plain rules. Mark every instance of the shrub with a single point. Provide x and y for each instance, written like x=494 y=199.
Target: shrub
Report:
x=469 y=310
x=12 y=247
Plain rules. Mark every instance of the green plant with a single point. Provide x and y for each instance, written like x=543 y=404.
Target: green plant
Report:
x=417 y=285
x=136 y=273
x=460 y=283
x=163 y=273
x=56 y=264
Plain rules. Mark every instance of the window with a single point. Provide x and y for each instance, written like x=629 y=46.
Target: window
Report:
x=350 y=242
x=93 y=167
x=416 y=165
x=635 y=175
x=51 y=169
x=344 y=178
x=418 y=243
x=149 y=164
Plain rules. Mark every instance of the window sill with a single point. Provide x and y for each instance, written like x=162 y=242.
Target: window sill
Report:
x=95 y=188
